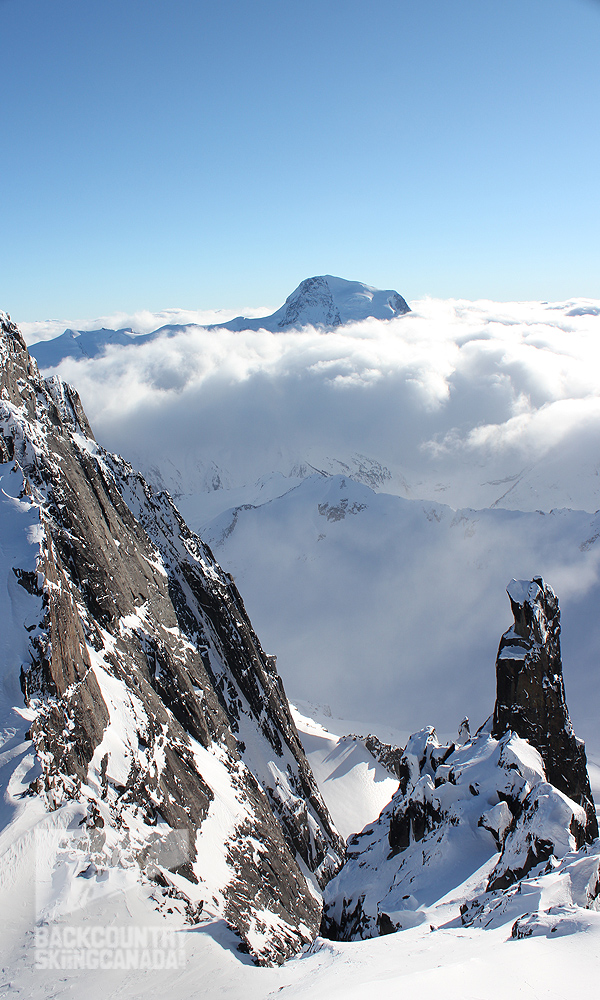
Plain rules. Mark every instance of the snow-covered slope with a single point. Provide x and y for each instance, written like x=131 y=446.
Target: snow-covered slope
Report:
x=354 y=784
x=438 y=958
x=402 y=601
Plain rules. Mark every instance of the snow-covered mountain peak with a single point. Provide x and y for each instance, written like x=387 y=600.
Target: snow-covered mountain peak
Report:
x=326 y=301
x=357 y=301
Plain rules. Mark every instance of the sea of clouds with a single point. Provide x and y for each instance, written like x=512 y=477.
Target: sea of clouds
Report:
x=472 y=402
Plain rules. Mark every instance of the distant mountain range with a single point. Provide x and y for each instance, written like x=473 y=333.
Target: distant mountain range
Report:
x=323 y=301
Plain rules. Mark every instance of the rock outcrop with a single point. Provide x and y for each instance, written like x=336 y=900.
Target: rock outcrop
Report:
x=530 y=697
x=512 y=802
x=151 y=703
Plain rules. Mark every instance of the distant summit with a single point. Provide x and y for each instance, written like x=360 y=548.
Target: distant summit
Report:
x=80 y=344
x=323 y=301
x=326 y=301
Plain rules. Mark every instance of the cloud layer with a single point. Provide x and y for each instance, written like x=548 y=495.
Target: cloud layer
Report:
x=475 y=403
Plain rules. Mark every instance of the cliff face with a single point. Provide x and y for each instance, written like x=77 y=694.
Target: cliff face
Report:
x=150 y=699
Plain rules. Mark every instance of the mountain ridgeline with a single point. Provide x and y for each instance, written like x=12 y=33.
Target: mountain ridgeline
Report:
x=151 y=699
x=325 y=302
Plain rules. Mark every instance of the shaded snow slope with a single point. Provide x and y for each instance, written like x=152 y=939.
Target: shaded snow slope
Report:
x=407 y=594
x=354 y=785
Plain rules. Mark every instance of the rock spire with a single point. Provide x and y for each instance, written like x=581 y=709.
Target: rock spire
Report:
x=530 y=698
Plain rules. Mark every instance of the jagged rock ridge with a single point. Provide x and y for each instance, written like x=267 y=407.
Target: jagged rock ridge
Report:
x=151 y=702
x=489 y=804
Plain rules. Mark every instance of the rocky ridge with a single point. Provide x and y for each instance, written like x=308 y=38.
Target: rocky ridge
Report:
x=530 y=697
x=151 y=706
x=512 y=802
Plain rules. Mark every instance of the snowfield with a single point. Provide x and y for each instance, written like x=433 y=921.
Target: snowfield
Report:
x=487 y=965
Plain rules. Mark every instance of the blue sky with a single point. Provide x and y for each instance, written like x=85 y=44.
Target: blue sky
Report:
x=162 y=153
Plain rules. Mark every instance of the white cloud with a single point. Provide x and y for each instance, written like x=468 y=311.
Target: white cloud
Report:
x=453 y=397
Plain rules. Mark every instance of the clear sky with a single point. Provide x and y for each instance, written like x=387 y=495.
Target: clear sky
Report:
x=199 y=154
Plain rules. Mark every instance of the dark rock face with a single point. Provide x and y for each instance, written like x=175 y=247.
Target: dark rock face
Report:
x=530 y=697
x=150 y=687
x=310 y=293
x=391 y=757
